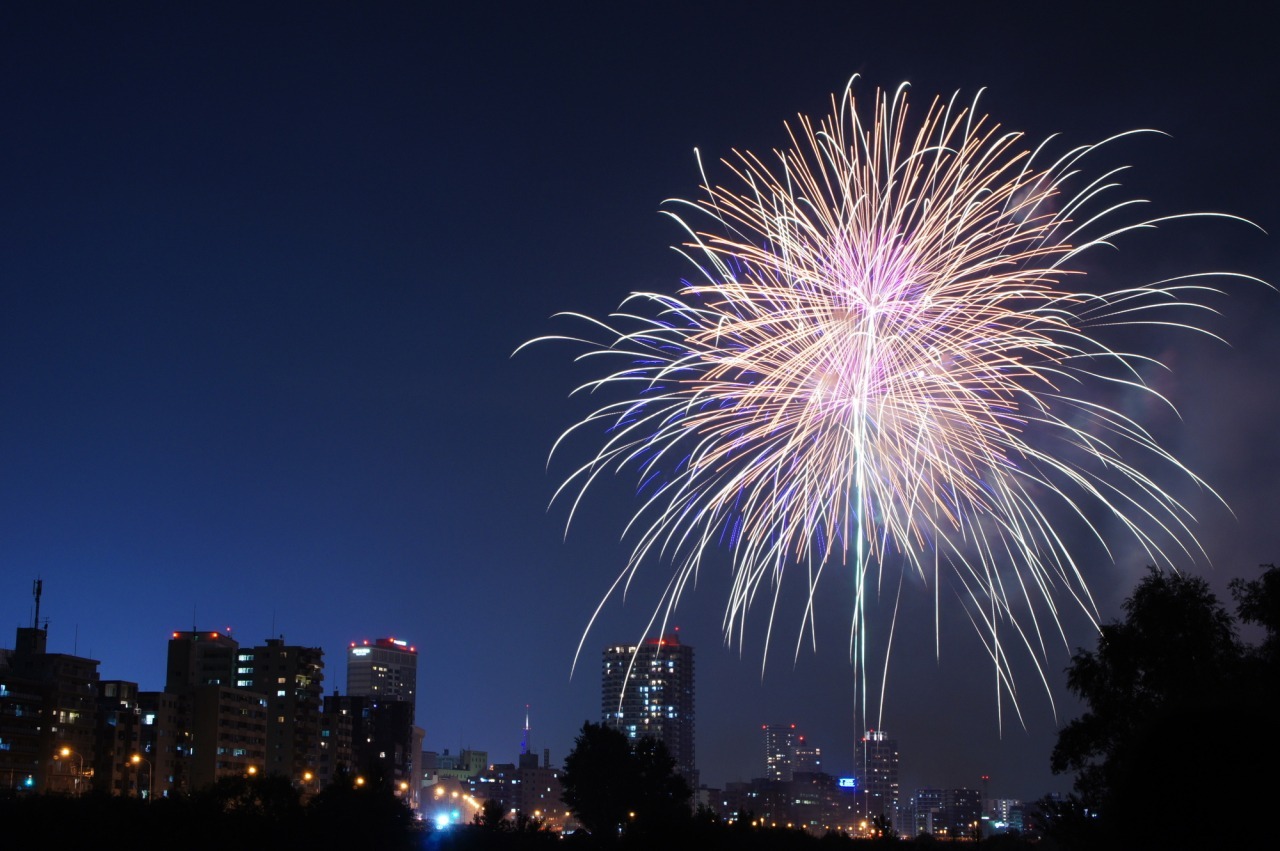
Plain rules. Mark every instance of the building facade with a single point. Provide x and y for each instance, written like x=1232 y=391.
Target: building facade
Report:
x=164 y=741
x=386 y=668
x=382 y=689
x=806 y=757
x=291 y=678
x=876 y=767
x=48 y=716
x=779 y=751
x=647 y=690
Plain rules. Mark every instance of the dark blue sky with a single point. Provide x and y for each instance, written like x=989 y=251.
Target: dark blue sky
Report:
x=263 y=270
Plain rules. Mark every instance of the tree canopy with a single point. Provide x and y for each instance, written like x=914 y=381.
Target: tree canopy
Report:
x=1179 y=708
x=614 y=788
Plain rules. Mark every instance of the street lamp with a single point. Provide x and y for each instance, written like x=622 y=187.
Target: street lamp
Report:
x=138 y=759
x=66 y=752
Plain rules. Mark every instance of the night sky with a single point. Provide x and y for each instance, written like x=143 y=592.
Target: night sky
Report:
x=264 y=266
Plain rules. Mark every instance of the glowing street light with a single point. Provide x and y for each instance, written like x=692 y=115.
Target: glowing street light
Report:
x=66 y=752
x=138 y=759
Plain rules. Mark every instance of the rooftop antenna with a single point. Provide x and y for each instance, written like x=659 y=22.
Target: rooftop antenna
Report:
x=36 y=588
x=524 y=740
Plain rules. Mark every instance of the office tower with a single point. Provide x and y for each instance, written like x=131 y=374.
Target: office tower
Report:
x=806 y=758
x=963 y=808
x=779 y=751
x=876 y=766
x=387 y=668
x=382 y=682
x=647 y=690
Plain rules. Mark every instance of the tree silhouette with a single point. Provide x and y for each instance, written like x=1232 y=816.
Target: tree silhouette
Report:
x=1178 y=709
x=1258 y=603
x=597 y=782
x=349 y=815
x=662 y=794
x=491 y=816
x=613 y=788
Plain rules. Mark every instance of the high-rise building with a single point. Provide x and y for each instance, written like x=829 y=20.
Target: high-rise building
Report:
x=806 y=757
x=876 y=767
x=779 y=751
x=387 y=668
x=647 y=690
x=251 y=709
x=963 y=808
x=200 y=659
x=291 y=678
x=382 y=683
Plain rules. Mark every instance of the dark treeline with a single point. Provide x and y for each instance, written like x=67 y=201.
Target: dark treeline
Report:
x=701 y=835
x=234 y=813
x=266 y=814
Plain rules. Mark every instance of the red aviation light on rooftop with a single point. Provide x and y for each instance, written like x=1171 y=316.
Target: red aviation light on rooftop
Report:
x=392 y=643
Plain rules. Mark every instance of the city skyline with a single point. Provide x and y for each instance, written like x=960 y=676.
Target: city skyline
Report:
x=264 y=271
x=646 y=691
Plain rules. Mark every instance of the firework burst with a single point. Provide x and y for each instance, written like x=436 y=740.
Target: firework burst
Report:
x=881 y=342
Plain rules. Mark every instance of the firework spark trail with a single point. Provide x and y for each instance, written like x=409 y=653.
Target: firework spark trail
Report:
x=881 y=324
